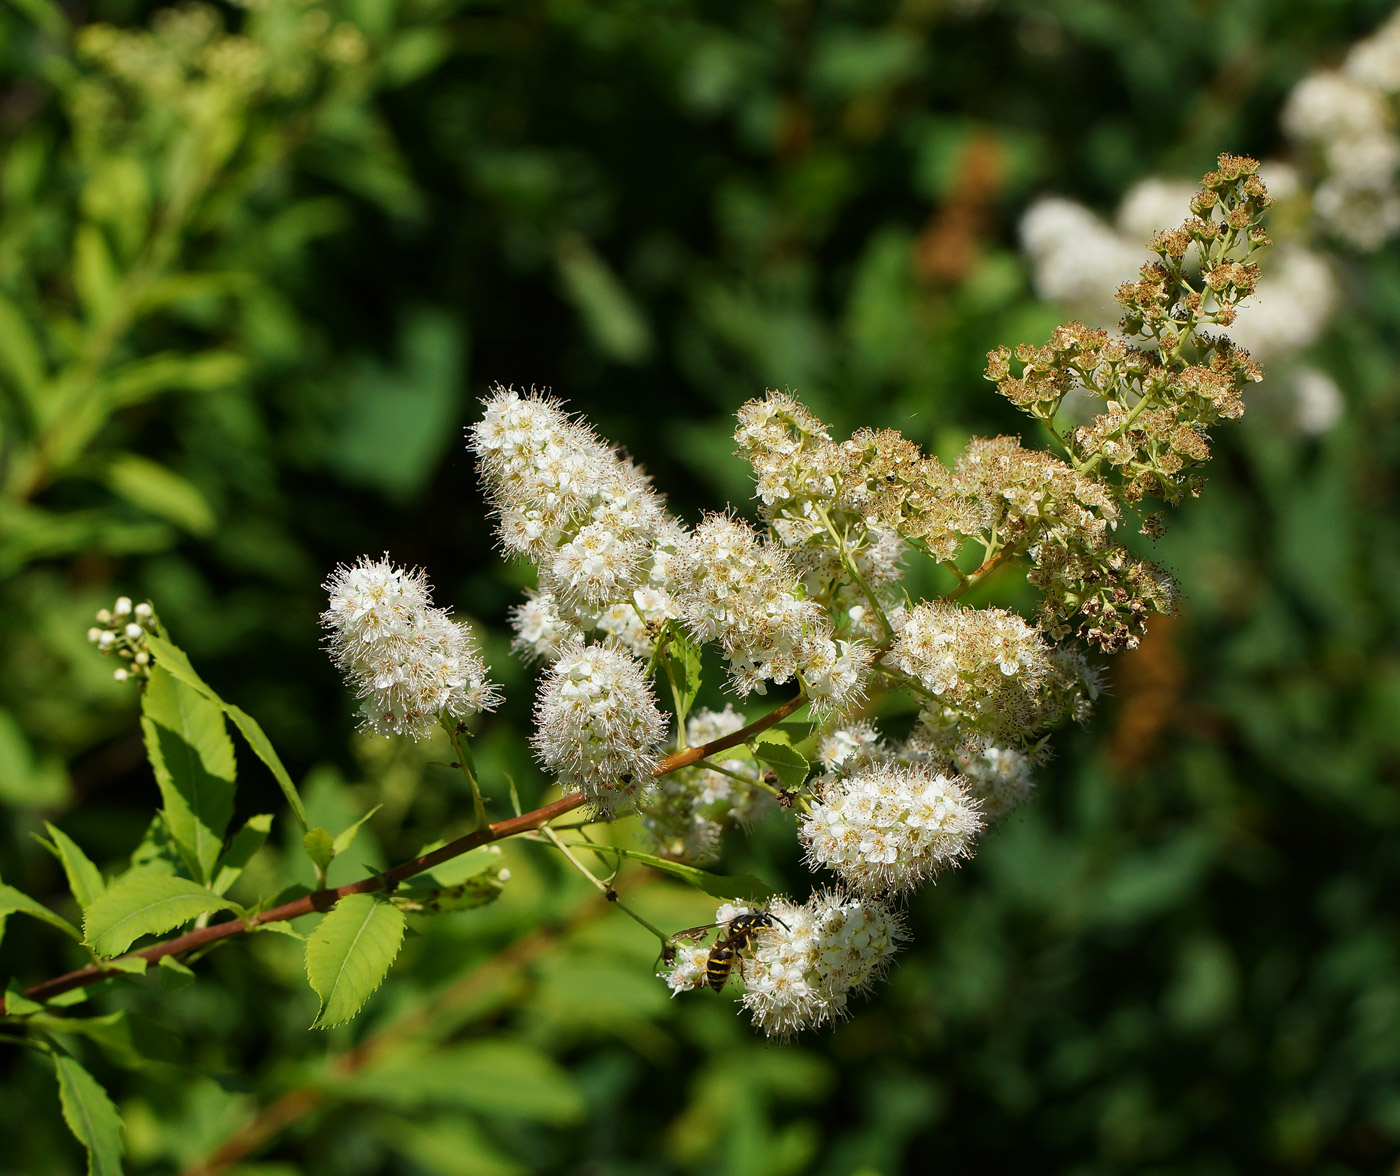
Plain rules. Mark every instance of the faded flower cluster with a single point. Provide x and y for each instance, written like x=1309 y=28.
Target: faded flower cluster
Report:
x=408 y=663
x=628 y=603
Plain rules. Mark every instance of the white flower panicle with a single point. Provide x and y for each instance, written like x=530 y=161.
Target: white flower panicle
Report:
x=999 y=778
x=801 y=972
x=890 y=828
x=981 y=668
x=743 y=593
x=584 y=514
x=407 y=661
x=597 y=723
x=690 y=808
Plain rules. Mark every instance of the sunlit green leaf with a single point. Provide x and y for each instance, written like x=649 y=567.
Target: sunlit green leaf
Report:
x=84 y=879
x=774 y=748
x=192 y=757
x=173 y=658
x=145 y=905
x=319 y=846
x=683 y=668
x=94 y=272
x=349 y=954
x=241 y=848
x=346 y=837
x=16 y=902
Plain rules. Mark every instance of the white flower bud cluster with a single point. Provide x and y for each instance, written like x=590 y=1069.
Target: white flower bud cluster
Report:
x=983 y=667
x=407 y=661
x=597 y=723
x=691 y=808
x=743 y=593
x=890 y=828
x=998 y=778
x=801 y=972
x=585 y=515
x=121 y=631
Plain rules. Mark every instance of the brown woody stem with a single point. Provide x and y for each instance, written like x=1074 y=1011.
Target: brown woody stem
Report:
x=323 y=900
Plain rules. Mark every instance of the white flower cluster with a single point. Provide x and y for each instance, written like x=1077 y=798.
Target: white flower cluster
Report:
x=801 y=972
x=1346 y=118
x=890 y=828
x=121 y=631
x=690 y=808
x=984 y=668
x=407 y=661
x=597 y=723
x=584 y=514
x=999 y=778
x=743 y=593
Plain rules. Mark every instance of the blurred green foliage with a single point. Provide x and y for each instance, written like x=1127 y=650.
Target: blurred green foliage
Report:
x=249 y=289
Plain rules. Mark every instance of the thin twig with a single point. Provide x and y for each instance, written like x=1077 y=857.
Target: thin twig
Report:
x=324 y=900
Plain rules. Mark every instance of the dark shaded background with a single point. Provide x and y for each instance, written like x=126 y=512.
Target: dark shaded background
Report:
x=1181 y=958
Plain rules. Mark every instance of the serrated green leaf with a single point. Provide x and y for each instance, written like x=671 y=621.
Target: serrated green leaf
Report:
x=349 y=954
x=726 y=886
x=16 y=902
x=192 y=757
x=173 y=658
x=90 y=1116
x=157 y=852
x=84 y=879
x=320 y=847
x=174 y=975
x=775 y=749
x=346 y=837
x=245 y=843
x=682 y=659
x=145 y=905
x=159 y=490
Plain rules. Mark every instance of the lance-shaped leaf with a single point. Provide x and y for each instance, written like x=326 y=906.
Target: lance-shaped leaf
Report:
x=90 y=1116
x=146 y=904
x=192 y=757
x=349 y=954
x=84 y=879
x=682 y=660
x=246 y=842
x=173 y=659
x=16 y=902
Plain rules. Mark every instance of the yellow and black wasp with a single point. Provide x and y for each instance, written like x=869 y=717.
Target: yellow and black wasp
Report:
x=729 y=946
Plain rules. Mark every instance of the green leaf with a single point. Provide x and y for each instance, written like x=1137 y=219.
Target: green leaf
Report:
x=21 y=357
x=16 y=902
x=132 y=966
x=726 y=886
x=320 y=847
x=346 y=837
x=682 y=659
x=349 y=954
x=173 y=658
x=146 y=904
x=90 y=1116
x=477 y=891
x=94 y=272
x=157 y=852
x=171 y=371
x=192 y=757
x=775 y=749
x=609 y=312
x=173 y=974
x=19 y=1005
x=506 y=1078
x=246 y=842
x=159 y=490
x=84 y=879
